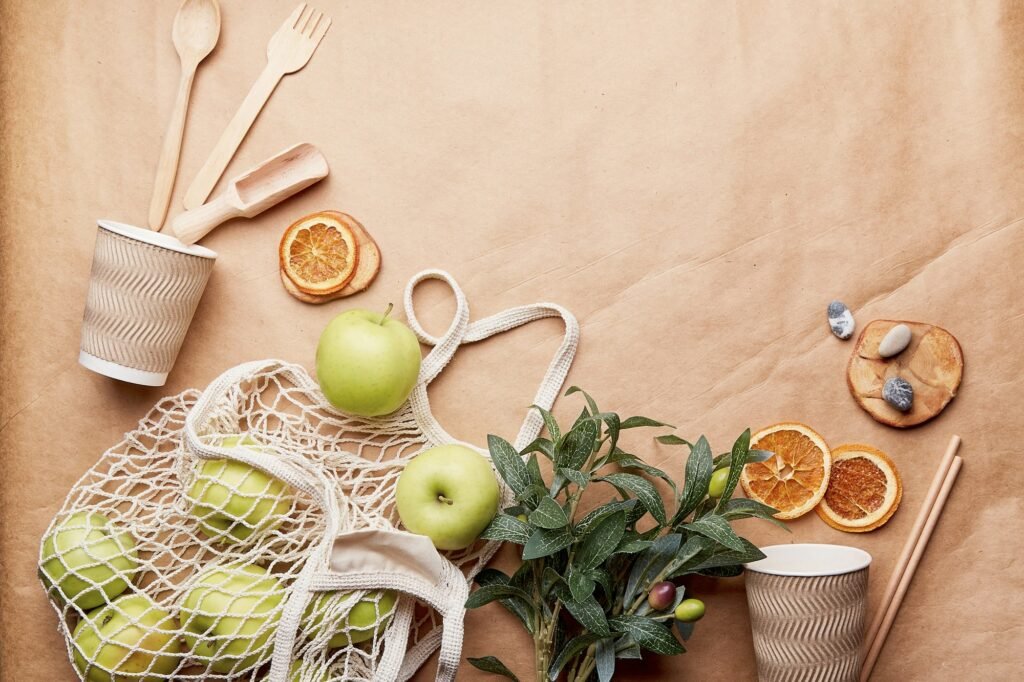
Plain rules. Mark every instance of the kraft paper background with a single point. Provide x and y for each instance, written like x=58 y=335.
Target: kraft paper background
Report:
x=695 y=180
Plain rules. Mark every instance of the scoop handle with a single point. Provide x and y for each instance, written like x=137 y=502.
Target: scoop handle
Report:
x=191 y=226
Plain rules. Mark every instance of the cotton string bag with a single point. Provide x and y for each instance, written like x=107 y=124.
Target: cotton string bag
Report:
x=326 y=586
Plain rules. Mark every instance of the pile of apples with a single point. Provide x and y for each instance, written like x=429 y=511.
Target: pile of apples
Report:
x=367 y=365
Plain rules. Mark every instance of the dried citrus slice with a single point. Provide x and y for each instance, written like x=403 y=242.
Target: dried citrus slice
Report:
x=366 y=271
x=795 y=479
x=864 y=489
x=319 y=253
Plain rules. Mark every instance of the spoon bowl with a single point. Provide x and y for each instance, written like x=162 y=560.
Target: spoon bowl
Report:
x=196 y=29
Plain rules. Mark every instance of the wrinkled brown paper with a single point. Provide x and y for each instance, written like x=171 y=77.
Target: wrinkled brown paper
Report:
x=695 y=180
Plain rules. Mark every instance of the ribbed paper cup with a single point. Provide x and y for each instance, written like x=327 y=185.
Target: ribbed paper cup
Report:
x=807 y=606
x=143 y=291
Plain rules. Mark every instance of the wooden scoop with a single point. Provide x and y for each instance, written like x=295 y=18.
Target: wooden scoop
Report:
x=256 y=190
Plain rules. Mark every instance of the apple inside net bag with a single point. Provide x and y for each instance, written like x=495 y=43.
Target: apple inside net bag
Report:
x=257 y=524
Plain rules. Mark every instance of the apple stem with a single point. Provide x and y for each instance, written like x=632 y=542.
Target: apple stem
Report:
x=386 y=313
x=442 y=498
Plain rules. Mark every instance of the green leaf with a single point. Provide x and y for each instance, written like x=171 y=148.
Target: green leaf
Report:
x=532 y=493
x=590 y=401
x=549 y=422
x=649 y=564
x=488 y=593
x=600 y=541
x=604 y=657
x=693 y=551
x=649 y=634
x=644 y=491
x=604 y=579
x=490 y=664
x=737 y=461
x=627 y=461
x=722 y=571
x=542 y=445
x=509 y=464
x=548 y=580
x=533 y=468
x=672 y=439
x=505 y=528
x=635 y=422
x=576 y=447
x=545 y=542
x=759 y=456
x=521 y=608
x=627 y=648
x=698 y=475
x=572 y=648
x=722 y=556
x=716 y=528
x=631 y=543
x=601 y=512
x=581 y=585
x=612 y=426
x=577 y=477
x=549 y=514
x=587 y=612
x=743 y=508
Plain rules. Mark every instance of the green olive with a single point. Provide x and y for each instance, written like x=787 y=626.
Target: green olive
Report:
x=718 y=480
x=690 y=610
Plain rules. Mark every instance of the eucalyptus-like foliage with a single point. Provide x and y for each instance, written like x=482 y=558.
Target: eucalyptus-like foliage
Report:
x=599 y=567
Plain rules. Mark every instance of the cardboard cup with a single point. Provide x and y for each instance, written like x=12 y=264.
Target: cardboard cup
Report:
x=143 y=291
x=807 y=607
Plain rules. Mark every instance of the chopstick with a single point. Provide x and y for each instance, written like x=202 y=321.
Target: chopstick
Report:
x=909 y=559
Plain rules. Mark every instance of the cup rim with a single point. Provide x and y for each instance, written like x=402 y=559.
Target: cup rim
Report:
x=165 y=241
x=844 y=559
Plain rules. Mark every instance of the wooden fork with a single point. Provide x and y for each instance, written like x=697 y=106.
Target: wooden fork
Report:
x=288 y=51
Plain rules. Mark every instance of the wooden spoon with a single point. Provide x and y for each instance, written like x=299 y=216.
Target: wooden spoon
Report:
x=195 y=33
x=256 y=190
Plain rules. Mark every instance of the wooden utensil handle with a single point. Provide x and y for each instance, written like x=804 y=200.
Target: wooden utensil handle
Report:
x=232 y=137
x=191 y=226
x=167 y=168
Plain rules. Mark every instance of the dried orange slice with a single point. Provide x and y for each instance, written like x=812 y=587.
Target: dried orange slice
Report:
x=366 y=272
x=319 y=253
x=864 y=489
x=795 y=479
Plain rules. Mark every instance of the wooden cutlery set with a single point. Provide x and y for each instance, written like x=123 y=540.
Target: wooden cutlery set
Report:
x=195 y=33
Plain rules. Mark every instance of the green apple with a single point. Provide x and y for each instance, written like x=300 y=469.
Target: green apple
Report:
x=130 y=638
x=367 y=618
x=448 y=493
x=230 y=616
x=88 y=559
x=233 y=500
x=367 y=364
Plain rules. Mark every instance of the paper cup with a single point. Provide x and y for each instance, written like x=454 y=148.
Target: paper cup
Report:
x=807 y=607
x=143 y=290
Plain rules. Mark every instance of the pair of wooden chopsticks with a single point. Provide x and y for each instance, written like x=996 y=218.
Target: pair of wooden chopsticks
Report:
x=949 y=467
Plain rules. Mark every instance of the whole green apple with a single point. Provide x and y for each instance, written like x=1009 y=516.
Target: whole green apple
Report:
x=232 y=500
x=448 y=493
x=131 y=638
x=230 y=616
x=367 y=618
x=88 y=559
x=367 y=364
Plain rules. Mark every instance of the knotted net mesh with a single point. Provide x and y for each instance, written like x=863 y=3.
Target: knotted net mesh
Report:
x=164 y=564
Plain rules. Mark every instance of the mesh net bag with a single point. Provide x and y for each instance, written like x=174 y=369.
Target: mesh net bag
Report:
x=248 y=532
